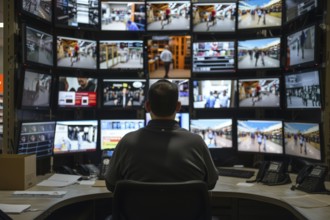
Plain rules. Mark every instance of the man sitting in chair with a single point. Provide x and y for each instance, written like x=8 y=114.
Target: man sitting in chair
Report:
x=161 y=151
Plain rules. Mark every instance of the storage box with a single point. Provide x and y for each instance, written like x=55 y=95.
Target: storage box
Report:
x=18 y=172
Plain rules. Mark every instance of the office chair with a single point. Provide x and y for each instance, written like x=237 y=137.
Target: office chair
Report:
x=133 y=200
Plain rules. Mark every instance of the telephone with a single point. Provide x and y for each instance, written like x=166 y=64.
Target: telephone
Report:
x=311 y=179
x=272 y=173
x=88 y=169
x=64 y=169
x=105 y=163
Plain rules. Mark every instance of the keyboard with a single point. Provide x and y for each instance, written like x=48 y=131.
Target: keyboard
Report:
x=235 y=173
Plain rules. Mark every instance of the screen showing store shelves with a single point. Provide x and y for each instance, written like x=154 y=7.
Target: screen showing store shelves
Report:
x=36 y=90
x=210 y=94
x=216 y=16
x=260 y=136
x=38 y=47
x=259 y=53
x=42 y=9
x=213 y=57
x=76 y=53
x=77 y=92
x=75 y=136
x=123 y=15
x=303 y=90
x=121 y=55
x=302 y=139
x=36 y=138
x=216 y=132
x=259 y=93
x=168 y=15
x=181 y=117
x=113 y=130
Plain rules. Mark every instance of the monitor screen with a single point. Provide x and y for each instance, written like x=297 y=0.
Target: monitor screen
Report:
x=303 y=90
x=213 y=57
x=181 y=117
x=77 y=13
x=211 y=16
x=301 y=47
x=42 y=9
x=113 y=130
x=259 y=13
x=168 y=15
x=38 y=46
x=124 y=93
x=302 y=140
x=211 y=94
x=263 y=92
x=77 y=92
x=36 y=138
x=260 y=136
x=259 y=53
x=121 y=55
x=123 y=15
x=76 y=53
x=183 y=86
x=75 y=136
x=36 y=90
x=169 y=56
x=217 y=133
x=296 y=8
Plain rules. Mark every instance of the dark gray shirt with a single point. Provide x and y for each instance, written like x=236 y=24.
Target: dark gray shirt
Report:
x=161 y=152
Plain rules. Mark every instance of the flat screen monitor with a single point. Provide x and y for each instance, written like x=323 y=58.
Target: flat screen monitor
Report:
x=302 y=139
x=124 y=93
x=113 y=130
x=303 y=90
x=297 y=8
x=259 y=14
x=214 y=16
x=262 y=92
x=181 y=117
x=211 y=94
x=216 y=132
x=41 y=9
x=121 y=55
x=76 y=53
x=169 y=55
x=301 y=47
x=77 y=92
x=259 y=53
x=260 y=136
x=36 y=138
x=168 y=15
x=183 y=86
x=77 y=13
x=38 y=47
x=36 y=90
x=213 y=56
x=123 y=15
x=75 y=136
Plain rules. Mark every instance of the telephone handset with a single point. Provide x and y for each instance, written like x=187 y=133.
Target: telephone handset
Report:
x=311 y=179
x=105 y=161
x=272 y=173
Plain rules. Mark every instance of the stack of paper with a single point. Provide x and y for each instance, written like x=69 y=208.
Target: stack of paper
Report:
x=60 y=180
x=9 y=208
x=56 y=194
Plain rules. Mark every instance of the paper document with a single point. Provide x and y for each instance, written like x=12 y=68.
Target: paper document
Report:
x=40 y=193
x=60 y=180
x=9 y=208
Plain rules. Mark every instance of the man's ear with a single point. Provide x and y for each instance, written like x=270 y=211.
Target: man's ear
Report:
x=147 y=106
x=178 y=106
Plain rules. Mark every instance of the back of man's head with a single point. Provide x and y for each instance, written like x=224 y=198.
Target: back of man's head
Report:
x=163 y=97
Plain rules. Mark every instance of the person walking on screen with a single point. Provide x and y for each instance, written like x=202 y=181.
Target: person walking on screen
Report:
x=302 y=44
x=161 y=151
x=166 y=57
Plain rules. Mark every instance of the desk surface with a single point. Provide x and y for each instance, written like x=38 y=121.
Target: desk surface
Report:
x=226 y=187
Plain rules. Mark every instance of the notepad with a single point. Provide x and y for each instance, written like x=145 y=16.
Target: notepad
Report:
x=14 y=209
x=56 y=194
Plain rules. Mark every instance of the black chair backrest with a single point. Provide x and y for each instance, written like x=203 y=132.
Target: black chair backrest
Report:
x=133 y=200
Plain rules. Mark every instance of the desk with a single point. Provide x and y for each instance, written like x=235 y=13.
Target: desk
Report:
x=229 y=201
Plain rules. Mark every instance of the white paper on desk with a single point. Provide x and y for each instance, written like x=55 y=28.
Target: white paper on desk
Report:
x=40 y=193
x=245 y=184
x=10 y=208
x=60 y=180
x=305 y=201
x=87 y=182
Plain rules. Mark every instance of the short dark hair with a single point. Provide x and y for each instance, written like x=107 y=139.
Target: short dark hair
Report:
x=163 y=97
